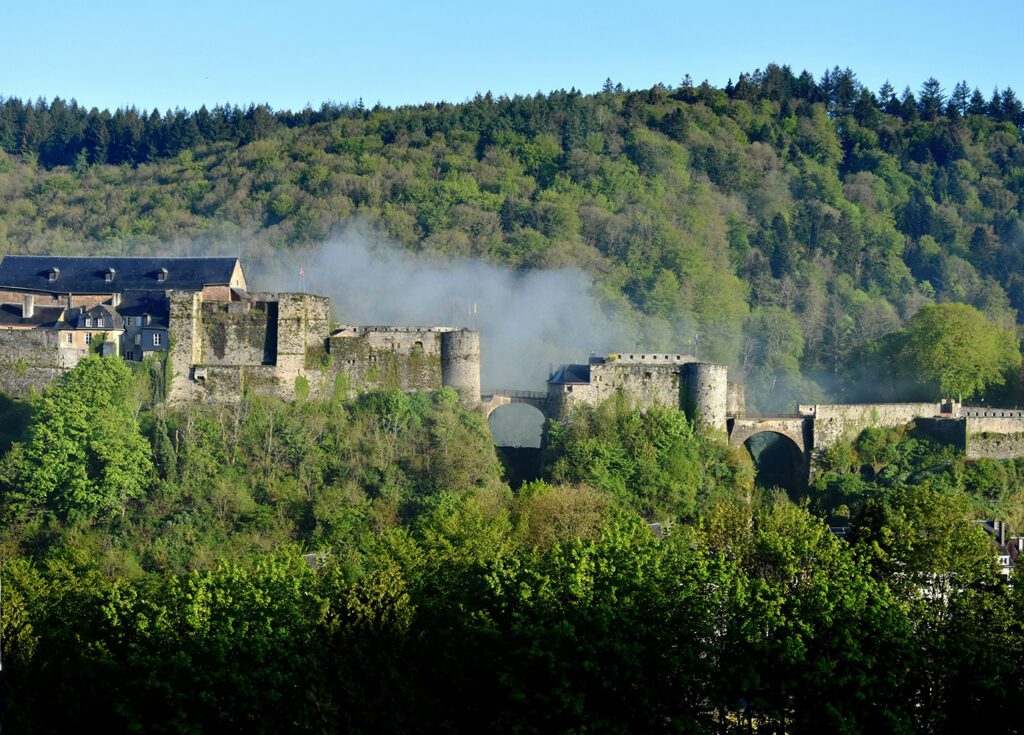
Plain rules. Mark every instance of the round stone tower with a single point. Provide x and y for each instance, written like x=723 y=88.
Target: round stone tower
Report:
x=460 y=364
x=707 y=394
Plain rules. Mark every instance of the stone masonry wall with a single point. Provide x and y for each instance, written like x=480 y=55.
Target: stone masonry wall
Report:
x=707 y=394
x=387 y=357
x=185 y=335
x=995 y=437
x=272 y=343
x=564 y=397
x=838 y=422
x=648 y=384
x=32 y=359
x=736 y=401
x=239 y=333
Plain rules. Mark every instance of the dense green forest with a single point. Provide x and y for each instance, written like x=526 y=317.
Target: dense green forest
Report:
x=365 y=565
x=785 y=224
x=154 y=579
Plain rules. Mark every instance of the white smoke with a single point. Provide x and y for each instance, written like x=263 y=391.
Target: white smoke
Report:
x=529 y=321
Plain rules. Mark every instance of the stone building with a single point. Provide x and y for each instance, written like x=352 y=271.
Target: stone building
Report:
x=217 y=338
x=671 y=380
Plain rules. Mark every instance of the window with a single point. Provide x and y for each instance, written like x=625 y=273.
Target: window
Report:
x=70 y=338
x=99 y=322
x=88 y=338
x=130 y=356
x=88 y=322
x=138 y=321
x=138 y=339
x=156 y=339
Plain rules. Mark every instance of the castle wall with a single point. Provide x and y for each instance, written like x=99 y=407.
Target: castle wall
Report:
x=995 y=435
x=635 y=358
x=669 y=380
x=185 y=335
x=374 y=358
x=32 y=359
x=563 y=398
x=736 y=399
x=271 y=343
x=266 y=344
x=239 y=333
x=838 y=422
x=303 y=323
x=649 y=384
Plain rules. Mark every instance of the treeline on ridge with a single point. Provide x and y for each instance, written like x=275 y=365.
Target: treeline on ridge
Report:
x=785 y=225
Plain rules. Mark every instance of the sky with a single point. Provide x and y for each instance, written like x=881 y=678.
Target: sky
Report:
x=289 y=54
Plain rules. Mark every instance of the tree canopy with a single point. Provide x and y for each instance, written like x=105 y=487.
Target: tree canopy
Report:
x=955 y=347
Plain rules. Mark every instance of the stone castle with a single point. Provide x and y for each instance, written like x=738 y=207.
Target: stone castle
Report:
x=218 y=338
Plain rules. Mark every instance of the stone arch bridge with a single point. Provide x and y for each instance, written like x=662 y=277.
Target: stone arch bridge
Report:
x=795 y=427
x=816 y=427
x=495 y=399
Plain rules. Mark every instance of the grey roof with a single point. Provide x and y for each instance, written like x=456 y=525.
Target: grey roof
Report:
x=571 y=374
x=43 y=316
x=85 y=275
x=78 y=316
x=153 y=304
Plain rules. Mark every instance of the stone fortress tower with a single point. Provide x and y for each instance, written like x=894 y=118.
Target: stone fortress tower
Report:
x=707 y=393
x=460 y=363
x=651 y=379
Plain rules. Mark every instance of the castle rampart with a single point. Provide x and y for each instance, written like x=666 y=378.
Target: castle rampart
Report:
x=31 y=358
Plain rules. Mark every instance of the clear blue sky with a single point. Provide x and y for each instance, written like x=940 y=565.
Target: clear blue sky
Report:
x=188 y=53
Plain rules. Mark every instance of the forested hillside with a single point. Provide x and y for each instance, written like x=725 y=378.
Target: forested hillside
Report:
x=785 y=224
x=153 y=577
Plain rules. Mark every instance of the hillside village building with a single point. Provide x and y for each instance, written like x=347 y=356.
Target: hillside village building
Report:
x=217 y=338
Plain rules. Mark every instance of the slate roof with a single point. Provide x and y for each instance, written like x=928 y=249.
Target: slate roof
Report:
x=86 y=275
x=571 y=374
x=43 y=316
x=112 y=320
x=152 y=304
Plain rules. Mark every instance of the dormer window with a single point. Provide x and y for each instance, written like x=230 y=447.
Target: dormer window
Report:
x=52 y=274
x=161 y=275
x=108 y=275
x=88 y=322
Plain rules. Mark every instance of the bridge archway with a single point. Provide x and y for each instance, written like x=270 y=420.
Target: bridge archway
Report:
x=778 y=461
x=516 y=425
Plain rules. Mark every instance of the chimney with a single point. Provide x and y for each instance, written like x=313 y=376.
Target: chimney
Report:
x=28 y=306
x=115 y=300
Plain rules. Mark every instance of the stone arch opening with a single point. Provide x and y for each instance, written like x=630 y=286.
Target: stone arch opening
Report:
x=517 y=429
x=778 y=461
x=516 y=425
